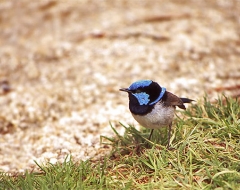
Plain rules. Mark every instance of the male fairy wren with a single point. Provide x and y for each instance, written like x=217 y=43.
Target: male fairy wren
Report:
x=152 y=106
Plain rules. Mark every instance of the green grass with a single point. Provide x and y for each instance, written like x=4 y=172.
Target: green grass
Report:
x=204 y=154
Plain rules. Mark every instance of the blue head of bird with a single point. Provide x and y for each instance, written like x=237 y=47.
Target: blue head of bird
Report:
x=143 y=94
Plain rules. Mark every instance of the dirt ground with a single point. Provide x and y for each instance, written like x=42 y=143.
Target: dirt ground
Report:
x=62 y=63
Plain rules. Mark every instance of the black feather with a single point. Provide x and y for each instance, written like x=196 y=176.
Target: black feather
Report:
x=186 y=100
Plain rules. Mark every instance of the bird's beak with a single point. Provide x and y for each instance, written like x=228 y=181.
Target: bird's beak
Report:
x=124 y=89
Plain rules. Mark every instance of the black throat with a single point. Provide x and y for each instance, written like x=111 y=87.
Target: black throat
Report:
x=136 y=108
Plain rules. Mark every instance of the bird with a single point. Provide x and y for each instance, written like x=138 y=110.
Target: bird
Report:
x=152 y=106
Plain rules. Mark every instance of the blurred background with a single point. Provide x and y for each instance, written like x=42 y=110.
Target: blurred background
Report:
x=62 y=63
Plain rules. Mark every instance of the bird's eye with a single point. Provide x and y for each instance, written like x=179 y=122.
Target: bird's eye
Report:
x=138 y=91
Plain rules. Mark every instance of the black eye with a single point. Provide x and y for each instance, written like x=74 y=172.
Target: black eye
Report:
x=138 y=91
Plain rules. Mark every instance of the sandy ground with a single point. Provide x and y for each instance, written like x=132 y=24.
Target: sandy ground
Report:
x=62 y=63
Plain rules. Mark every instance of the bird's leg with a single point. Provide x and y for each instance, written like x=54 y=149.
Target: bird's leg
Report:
x=169 y=134
x=150 y=134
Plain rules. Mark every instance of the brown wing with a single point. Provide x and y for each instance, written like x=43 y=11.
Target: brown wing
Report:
x=172 y=100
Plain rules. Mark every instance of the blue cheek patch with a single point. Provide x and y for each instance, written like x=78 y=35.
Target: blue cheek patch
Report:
x=142 y=98
x=159 y=97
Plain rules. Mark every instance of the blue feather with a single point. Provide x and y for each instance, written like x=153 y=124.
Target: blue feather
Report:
x=142 y=97
x=160 y=96
x=140 y=83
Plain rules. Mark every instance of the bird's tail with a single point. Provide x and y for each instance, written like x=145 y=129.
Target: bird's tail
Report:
x=186 y=100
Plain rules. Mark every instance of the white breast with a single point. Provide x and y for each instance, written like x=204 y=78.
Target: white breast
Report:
x=160 y=116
